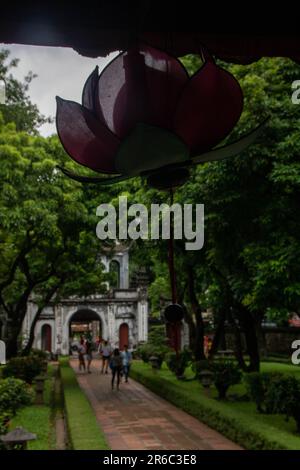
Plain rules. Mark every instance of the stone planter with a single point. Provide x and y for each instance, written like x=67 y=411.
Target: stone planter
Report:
x=206 y=378
x=155 y=362
x=17 y=438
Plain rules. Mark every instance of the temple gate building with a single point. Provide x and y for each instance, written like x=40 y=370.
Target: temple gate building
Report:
x=120 y=316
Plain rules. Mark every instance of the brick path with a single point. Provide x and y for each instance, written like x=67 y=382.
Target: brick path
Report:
x=135 y=418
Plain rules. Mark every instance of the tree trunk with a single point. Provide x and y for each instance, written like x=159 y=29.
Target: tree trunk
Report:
x=196 y=309
x=12 y=340
x=199 y=346
x=219 y=333
x=192 y=329
x=47 y=299
x=248 y=324
x=29 y=344
x=238 y=349
x=262 y=347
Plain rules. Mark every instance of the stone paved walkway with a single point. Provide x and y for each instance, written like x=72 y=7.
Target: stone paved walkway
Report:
x=135 y=418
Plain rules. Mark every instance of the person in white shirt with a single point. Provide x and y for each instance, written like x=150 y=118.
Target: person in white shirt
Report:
x=105 y=352
x=126 y=359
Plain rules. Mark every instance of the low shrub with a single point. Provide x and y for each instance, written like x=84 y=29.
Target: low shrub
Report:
x=4 y=421
x=225 y=374
x=283 y=397
x=257 y=385
x=155 y=346
x=24 y=368
x=14 y=393
x=148 y=349
x=142 y=352
x=177 y=363
x=40 y=354
x=157 y=335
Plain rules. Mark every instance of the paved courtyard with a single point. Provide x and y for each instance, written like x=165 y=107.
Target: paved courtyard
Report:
x=135 y=418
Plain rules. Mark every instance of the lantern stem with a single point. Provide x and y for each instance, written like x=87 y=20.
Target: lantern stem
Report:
x=171 y=256
x=174 y=327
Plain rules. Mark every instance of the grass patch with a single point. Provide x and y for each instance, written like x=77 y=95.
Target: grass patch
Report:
x=83 y=428
x=235 y=418
x=38 y=418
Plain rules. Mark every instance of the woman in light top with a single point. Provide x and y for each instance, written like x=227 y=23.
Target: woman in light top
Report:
x=105 y=352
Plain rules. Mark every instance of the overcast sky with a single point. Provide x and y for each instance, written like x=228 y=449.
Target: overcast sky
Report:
x=61 y=71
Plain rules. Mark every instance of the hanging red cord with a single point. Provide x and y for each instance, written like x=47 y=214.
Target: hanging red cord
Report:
x=171 y=256
x=174 y=328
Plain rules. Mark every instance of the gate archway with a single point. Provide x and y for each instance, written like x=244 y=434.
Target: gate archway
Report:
x=85 y=323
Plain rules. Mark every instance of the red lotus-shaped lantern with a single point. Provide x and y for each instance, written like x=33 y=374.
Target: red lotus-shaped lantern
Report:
x=144 y=116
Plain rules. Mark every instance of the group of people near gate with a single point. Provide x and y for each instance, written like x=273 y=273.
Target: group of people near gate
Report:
x=117 y=361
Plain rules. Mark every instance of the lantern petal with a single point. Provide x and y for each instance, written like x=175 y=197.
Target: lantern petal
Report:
x=93 y=179
x=140 y=85
x=84 y=138
x=209 y=108
x=233 y=149
x=166 y=78
x=89 y=91
x=158 y=148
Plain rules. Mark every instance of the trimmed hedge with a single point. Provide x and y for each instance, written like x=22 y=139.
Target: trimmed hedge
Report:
x=242 y=428
x=84 y=431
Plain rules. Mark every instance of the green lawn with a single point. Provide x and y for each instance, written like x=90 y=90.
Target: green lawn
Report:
x=236 y=418
x=38 y=419
x=83 y=428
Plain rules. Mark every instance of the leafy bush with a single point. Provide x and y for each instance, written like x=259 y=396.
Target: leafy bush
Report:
x=14 y=393
x=4 y=421
x=148 y=350
x=39 y=353
x=177 y=363
x=225 y=374
x=157 y=335
x=156 y=345
x=142 y=352
x=257 y=385
x=25 y=368
x=283 y=396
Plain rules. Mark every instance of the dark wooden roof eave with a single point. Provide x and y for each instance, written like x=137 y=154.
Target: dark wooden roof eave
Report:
x=229 y=47
x=96 y=29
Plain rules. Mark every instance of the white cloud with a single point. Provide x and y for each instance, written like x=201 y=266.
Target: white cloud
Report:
x=61 y=71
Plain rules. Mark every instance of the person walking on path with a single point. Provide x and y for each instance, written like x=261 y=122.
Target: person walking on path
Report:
x=105 y=352
x=126 y=359
x=81 y=353
x=89 y=353
x=116 y=365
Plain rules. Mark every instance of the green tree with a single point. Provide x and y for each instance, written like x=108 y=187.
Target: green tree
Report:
x=18 y=107
x=48 y=244
x=249 y=264
x=251 y=201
